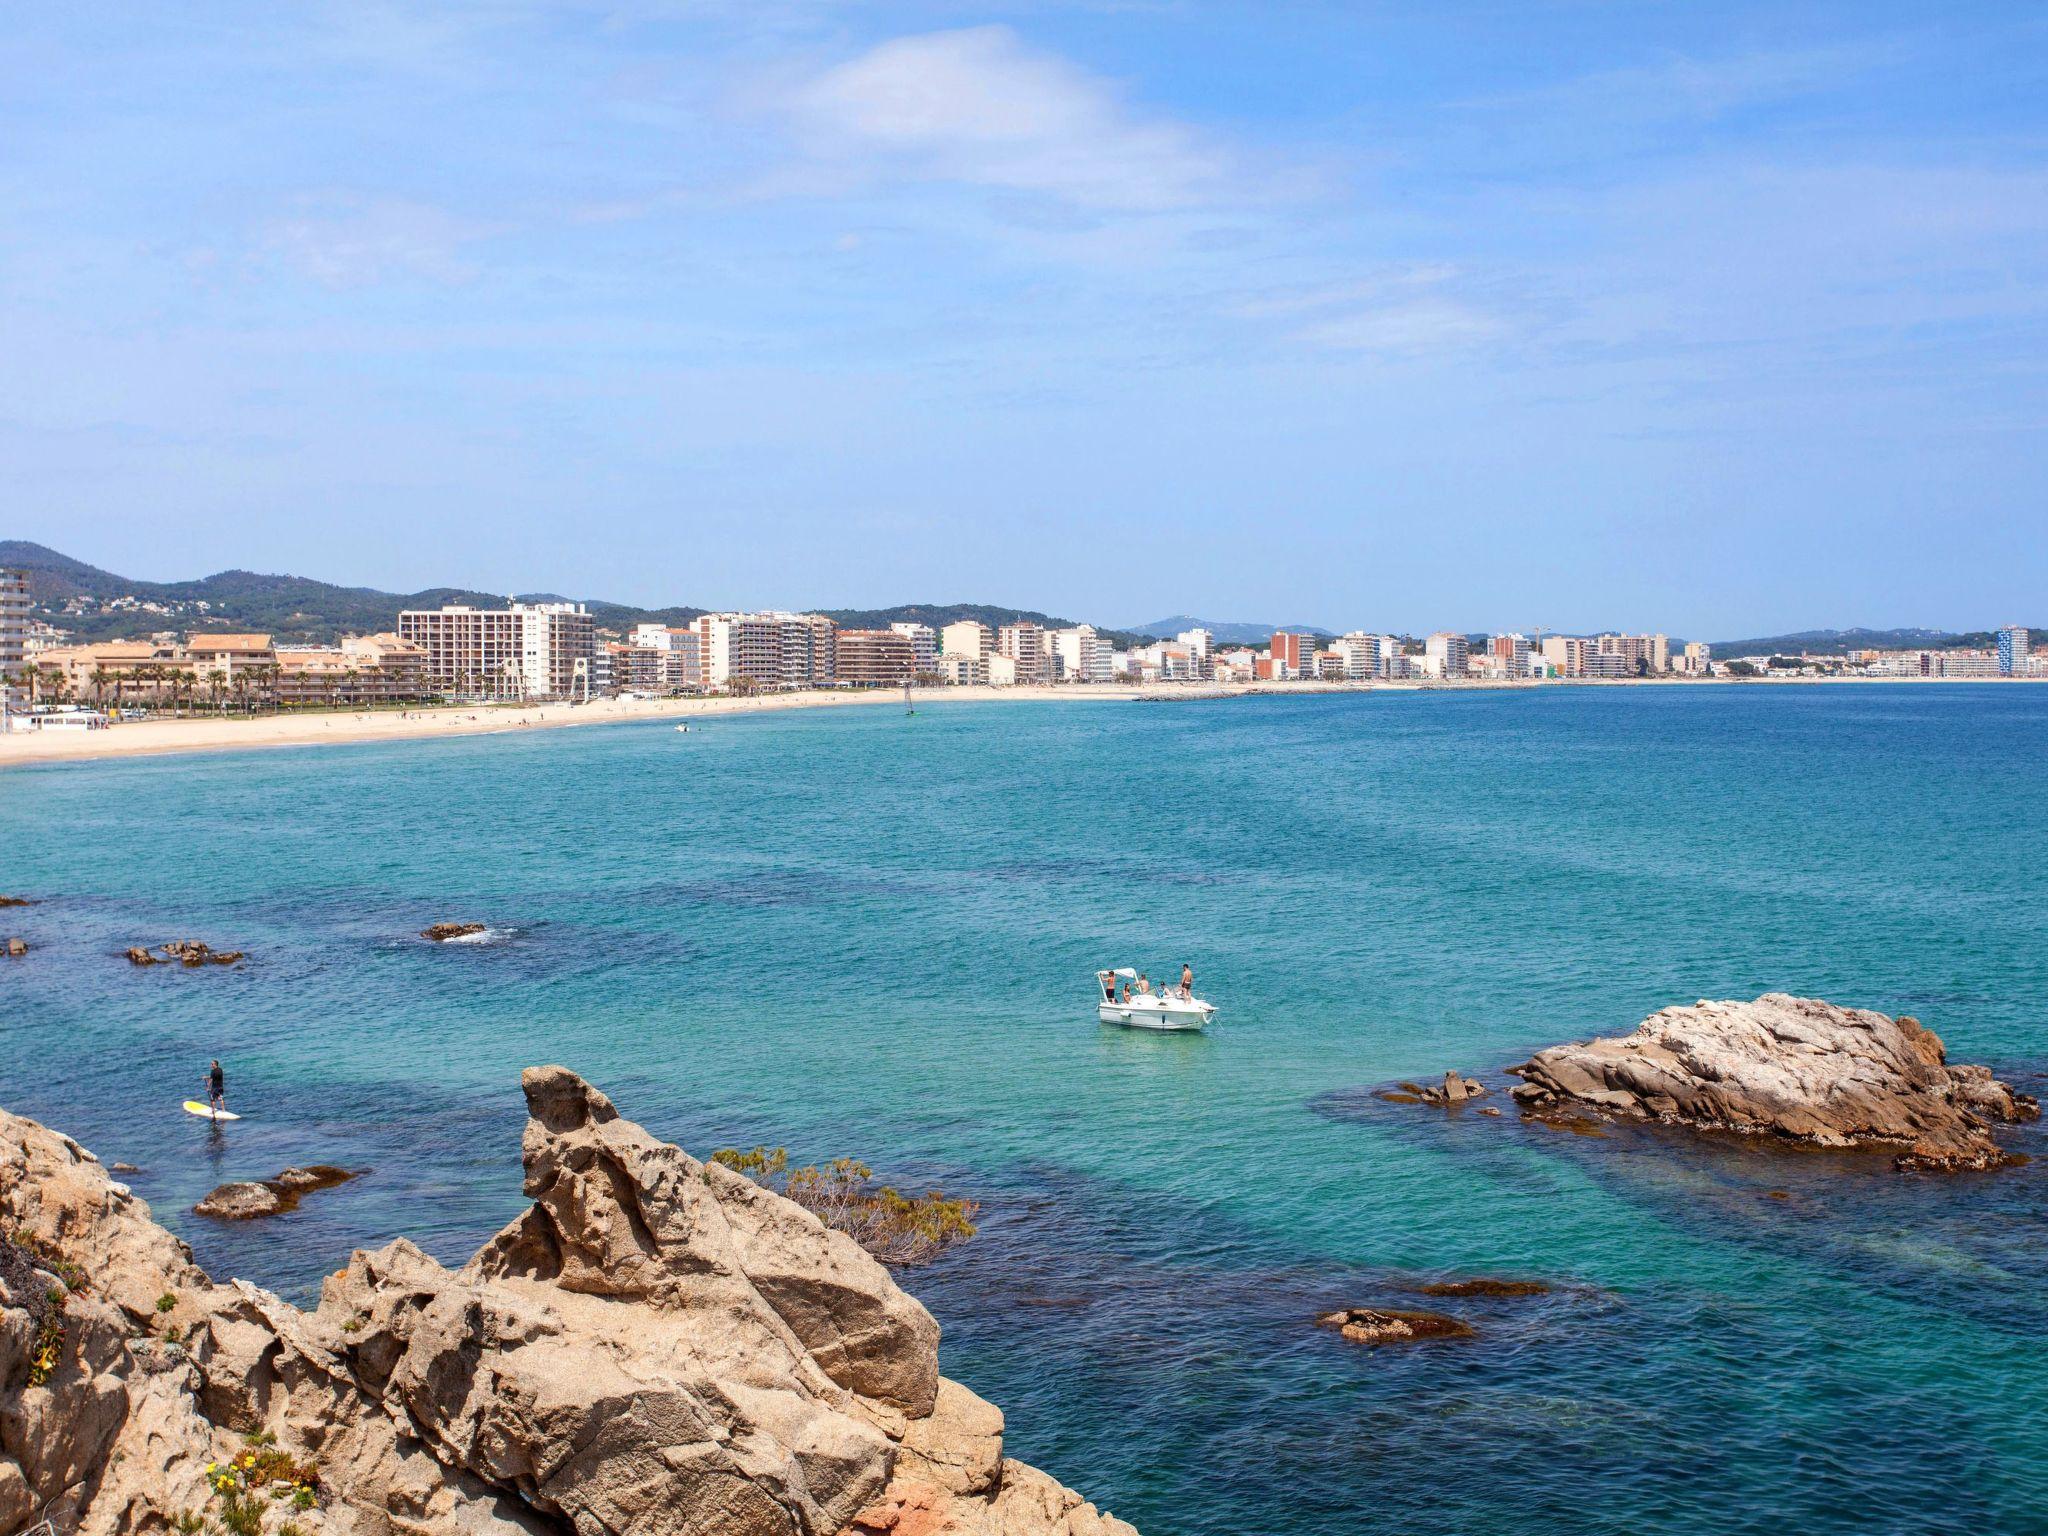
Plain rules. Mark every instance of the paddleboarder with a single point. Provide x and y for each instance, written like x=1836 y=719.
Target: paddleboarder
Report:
x=217 y=1088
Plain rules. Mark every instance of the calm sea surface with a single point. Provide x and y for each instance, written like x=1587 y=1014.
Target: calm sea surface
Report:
x=852 y=932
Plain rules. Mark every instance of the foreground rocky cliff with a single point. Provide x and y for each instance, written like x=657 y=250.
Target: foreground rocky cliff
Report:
x=656 y=1346
x=1790 y=1067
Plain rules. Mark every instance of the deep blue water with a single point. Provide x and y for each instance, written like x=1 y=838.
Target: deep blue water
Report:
x=851 y=932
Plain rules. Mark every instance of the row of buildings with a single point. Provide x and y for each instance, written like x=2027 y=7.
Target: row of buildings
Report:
x=555 y=650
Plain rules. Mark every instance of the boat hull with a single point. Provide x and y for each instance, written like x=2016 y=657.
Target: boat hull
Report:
x=1168 y=1019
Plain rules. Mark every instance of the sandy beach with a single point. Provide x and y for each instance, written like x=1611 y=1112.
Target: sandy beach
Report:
x=235 y=733
x=339 y=728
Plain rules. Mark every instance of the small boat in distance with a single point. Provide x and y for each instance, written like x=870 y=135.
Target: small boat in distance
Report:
x=1148 y=1010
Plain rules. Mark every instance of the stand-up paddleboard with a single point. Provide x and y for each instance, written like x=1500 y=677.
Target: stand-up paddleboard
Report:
x=207 y=1111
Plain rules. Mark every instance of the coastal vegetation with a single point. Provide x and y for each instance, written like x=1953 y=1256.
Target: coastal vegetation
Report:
x=900 y=1230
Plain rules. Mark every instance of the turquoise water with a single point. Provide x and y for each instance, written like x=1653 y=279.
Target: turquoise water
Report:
x=851 y=932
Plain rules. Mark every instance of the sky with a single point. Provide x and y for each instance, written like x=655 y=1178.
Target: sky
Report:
x=1719 y=319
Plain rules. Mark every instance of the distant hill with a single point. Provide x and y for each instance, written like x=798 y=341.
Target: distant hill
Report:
x=1225 y=631
x=293 y=608
x=1829 y=641
x=297 y=609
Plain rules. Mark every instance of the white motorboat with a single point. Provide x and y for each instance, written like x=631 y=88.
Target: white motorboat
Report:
x=1148 y=1010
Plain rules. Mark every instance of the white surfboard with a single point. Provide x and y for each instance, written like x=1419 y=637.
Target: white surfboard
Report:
x=207 y=1111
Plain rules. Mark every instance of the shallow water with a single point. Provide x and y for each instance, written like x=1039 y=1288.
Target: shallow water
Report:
x=852 y=932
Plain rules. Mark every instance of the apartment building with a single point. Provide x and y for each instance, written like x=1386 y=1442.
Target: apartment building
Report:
x=1509 y=655
x=874 y=658
x=1358 y=655
x=1446 y=654
x=521 y=651
x=1292 y=655
x=2015 y=649
x=924 y=645
x=967 y=637
x=1082 y=655
x=962 y=671
x=224 y=658
x=773 y=649
x=14 y=607
x=1024 y=644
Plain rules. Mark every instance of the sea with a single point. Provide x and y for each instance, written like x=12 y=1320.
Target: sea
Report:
x=859 y=932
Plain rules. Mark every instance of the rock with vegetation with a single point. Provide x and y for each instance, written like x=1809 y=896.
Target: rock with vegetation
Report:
x=1380 y=1325
x=657 y=1347
x=900 y=1230
x=441 y=933
x=1792 y=1068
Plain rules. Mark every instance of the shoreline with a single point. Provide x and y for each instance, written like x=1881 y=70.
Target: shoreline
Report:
x=152 y=738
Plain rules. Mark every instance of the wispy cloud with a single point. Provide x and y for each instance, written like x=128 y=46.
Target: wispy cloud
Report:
x=1683 y=86
x=351 y=243
x=1402 y=310
x=979 y=107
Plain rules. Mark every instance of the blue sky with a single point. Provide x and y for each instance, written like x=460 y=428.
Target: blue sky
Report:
x=1713 y=318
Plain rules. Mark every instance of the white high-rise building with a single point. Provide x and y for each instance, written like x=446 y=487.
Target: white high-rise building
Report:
x=1201 y=648
x=1446 y=654
x=1360 y=654
x=1082 y=654
x=765 y=649
x=520 y=651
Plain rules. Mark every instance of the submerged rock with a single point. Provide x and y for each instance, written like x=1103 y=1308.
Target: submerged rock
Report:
x=1485 y=1288
x=1377 y=1325
x=440 y=933
x=247 y=1200
x=1793 y=1068
x=657 y=1347
x=1455 y=1090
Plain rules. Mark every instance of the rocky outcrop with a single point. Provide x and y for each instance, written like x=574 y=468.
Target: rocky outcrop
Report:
x=1788 y=1067
x=269 y=1197
x=657 y=1347
x=1376 y=1325
x=441 y=933
x=189 y=952
x=17 y=901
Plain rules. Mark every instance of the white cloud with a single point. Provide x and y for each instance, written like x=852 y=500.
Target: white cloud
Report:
x=347 y=243
x=1402 y=310
x=980 y=108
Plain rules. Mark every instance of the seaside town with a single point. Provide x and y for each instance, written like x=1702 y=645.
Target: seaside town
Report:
x=556 y=652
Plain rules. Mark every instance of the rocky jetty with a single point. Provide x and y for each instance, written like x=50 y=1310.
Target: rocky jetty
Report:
x=657 y=1347
x=190 y=952
x=441 y=933
x=244 y=1201
x=1378 y=1325
x=1794 y=1068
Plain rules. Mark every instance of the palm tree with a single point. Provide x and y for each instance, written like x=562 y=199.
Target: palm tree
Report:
x=100 y=678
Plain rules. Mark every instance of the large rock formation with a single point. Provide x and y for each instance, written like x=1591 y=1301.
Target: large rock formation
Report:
x=657 y=1347
x=1791 y=1067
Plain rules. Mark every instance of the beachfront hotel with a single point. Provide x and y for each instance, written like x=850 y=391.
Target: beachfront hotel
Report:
x=522 y=651
x=874 y=657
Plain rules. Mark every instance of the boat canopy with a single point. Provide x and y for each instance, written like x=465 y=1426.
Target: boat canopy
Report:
x=1123 y=970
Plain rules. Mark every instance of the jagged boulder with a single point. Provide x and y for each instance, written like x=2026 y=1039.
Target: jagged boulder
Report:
x=1790 y=1067
x=246 y=1200
x=657 y=1347
x=441 y=933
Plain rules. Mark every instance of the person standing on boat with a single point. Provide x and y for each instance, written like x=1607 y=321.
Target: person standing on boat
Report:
x=217 y=1087
x=1187 y=982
